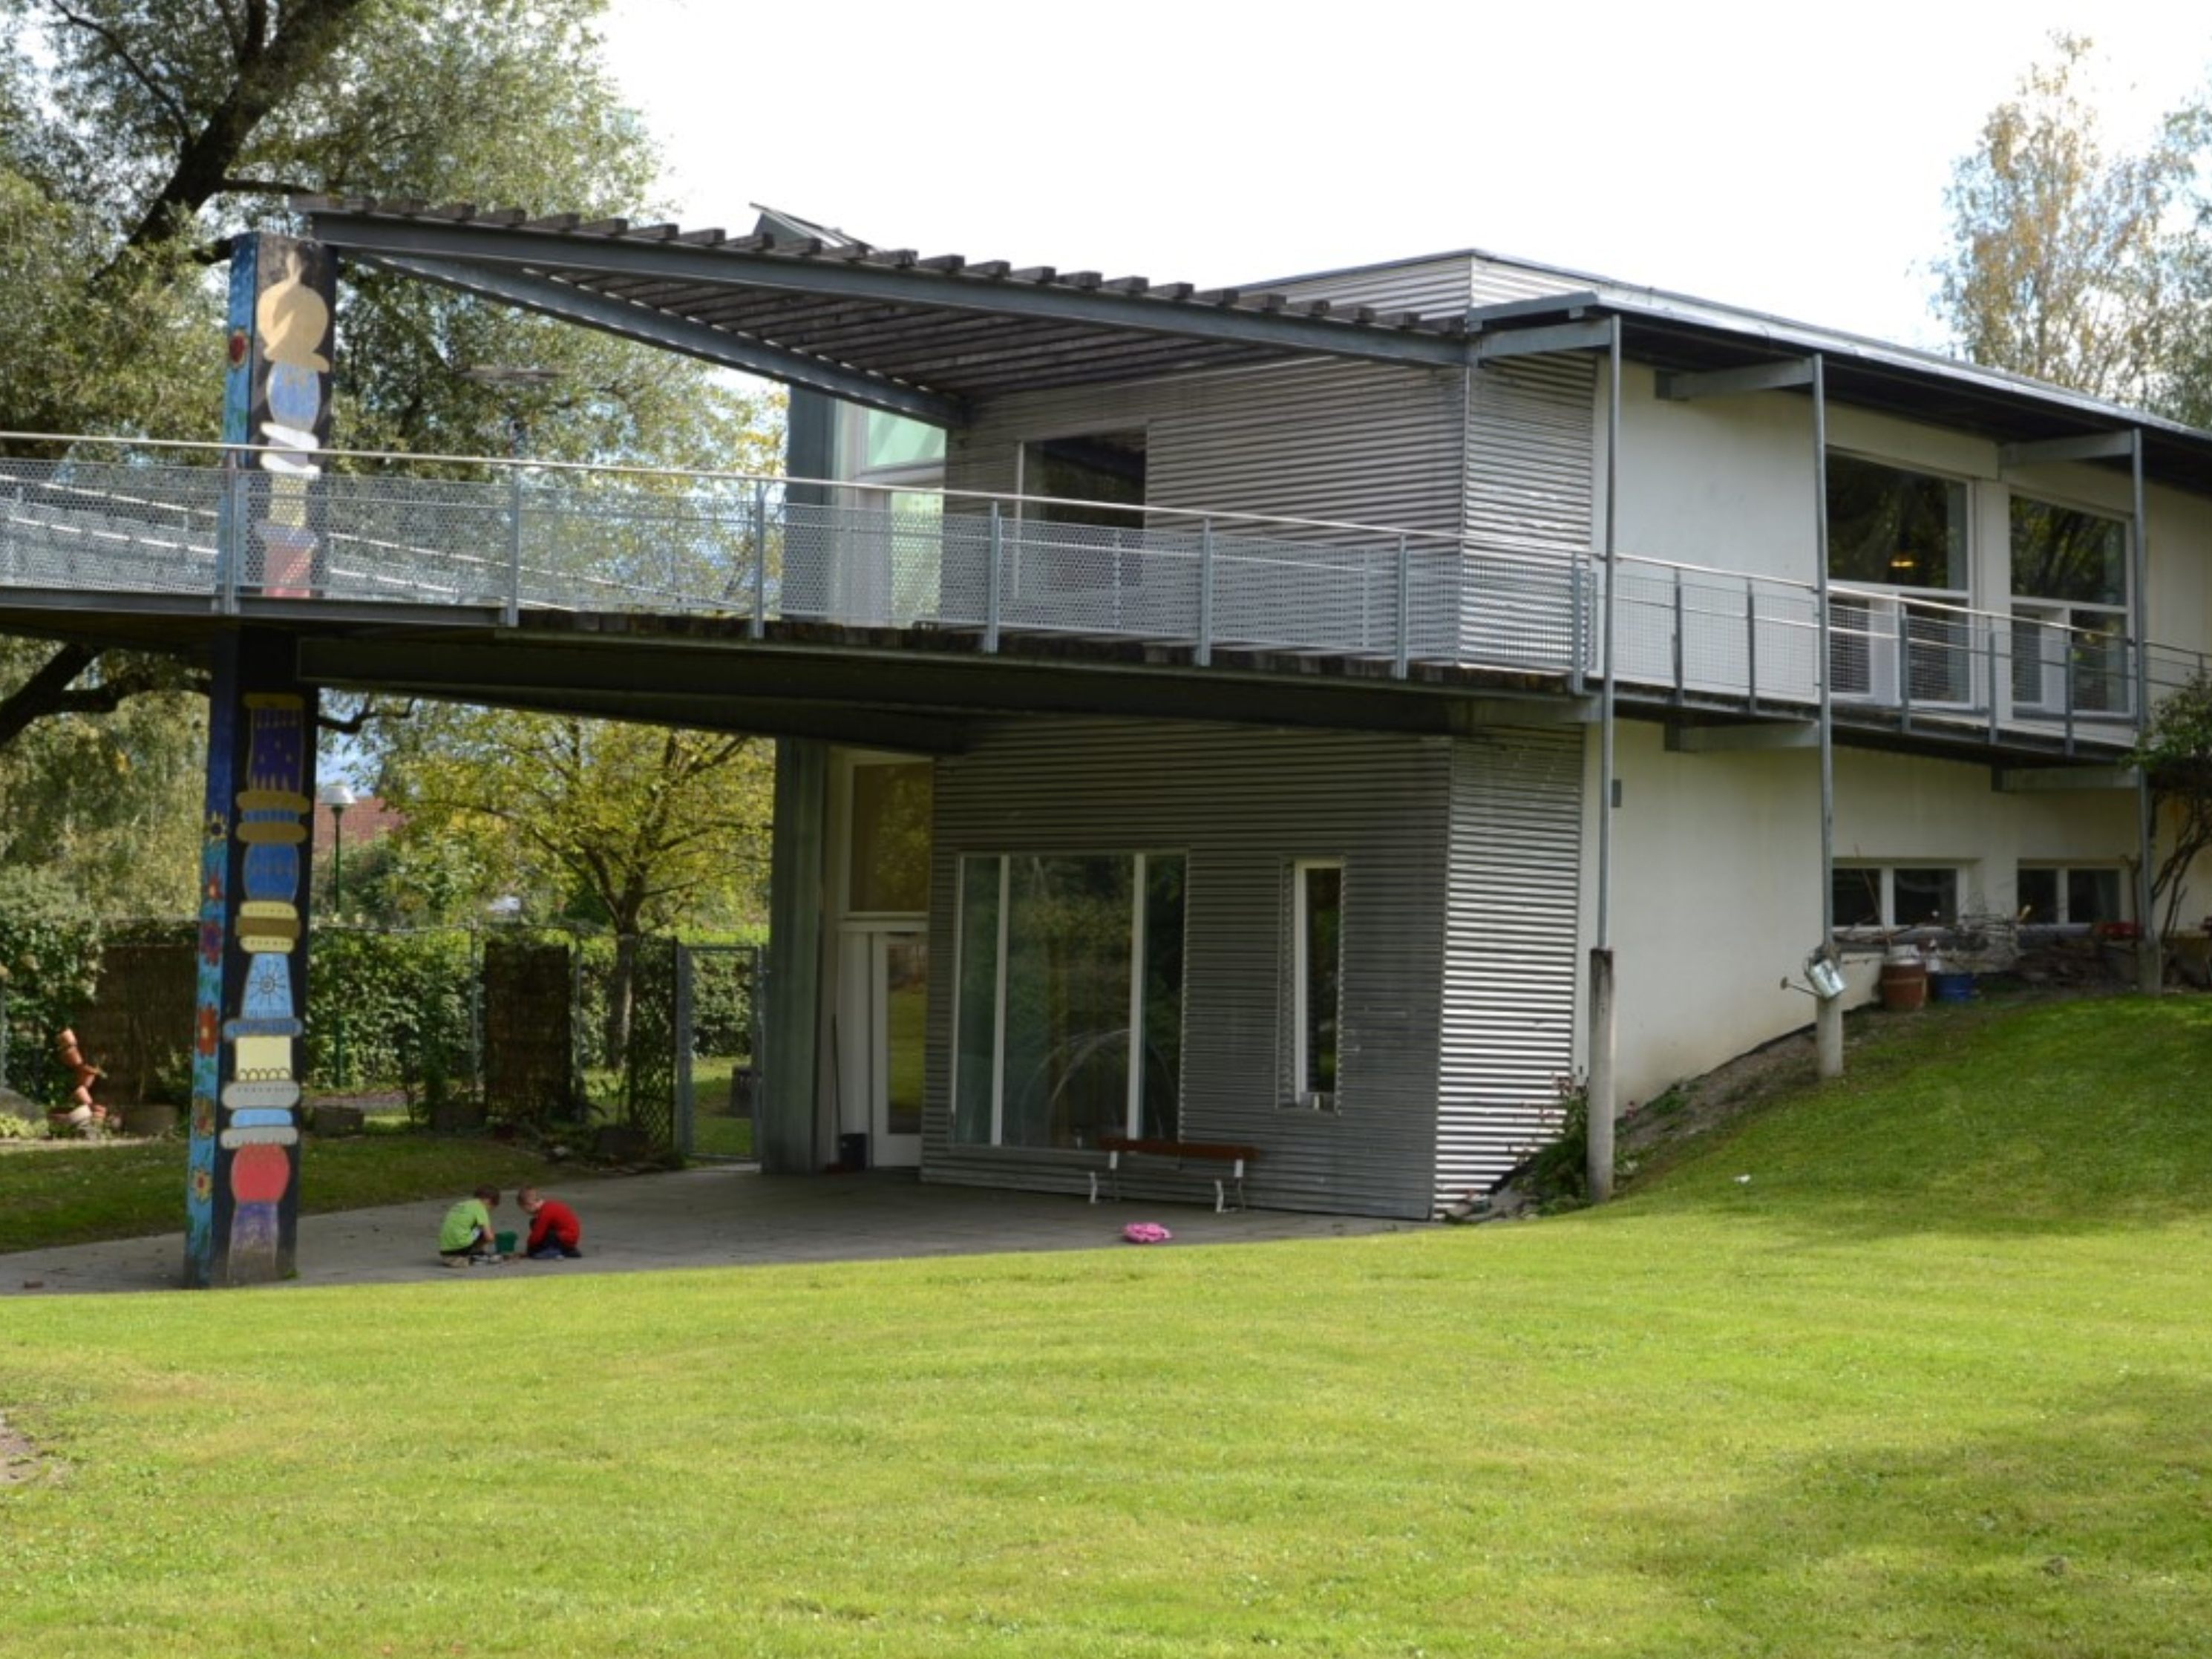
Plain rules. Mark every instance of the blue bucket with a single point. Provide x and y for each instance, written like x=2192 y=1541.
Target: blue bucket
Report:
x=1950 y=987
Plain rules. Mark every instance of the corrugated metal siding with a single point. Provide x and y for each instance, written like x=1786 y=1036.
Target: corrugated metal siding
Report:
x=1240 y=804
x=1509 y=959
x=1494 y=281
x=1434 y=288
x=1531 y=456
x=1368 y=442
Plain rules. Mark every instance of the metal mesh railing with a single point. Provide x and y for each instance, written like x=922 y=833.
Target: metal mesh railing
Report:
x=524 y=536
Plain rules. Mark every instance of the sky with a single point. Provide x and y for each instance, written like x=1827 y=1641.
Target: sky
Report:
x=1790 y=159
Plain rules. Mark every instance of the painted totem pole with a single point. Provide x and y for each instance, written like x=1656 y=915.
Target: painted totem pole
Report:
x=243 y=1185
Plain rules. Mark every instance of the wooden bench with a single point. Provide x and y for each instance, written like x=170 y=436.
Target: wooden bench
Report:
x=1181 y=1153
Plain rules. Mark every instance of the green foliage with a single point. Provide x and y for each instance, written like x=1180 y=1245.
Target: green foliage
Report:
x=2175 y=752
x=19 y=1128
x=2078 y=265
x=400 y=1003
x=50 y=954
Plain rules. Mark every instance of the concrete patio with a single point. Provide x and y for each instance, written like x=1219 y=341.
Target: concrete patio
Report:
x=702 y=1218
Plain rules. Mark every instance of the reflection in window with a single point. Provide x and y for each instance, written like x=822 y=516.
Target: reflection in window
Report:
x=2070 y=583
x=889 y=868
x=1895 y=528
x=2059 y=553
x=2049 y=893
x=1318 y=926
x=1062 y=957
x=1893 y=895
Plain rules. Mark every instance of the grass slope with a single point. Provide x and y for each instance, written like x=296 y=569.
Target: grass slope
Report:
x=1933 y=1380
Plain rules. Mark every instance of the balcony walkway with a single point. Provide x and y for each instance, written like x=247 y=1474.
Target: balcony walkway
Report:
x=737 y=558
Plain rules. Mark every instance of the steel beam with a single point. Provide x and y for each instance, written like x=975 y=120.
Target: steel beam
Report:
x=2091 y=446
x=1592 y=336
x=1478 y=712
x=388 y=240
x=671 y=333
x=1734 y=382
x=1731 y=740
x=2039 y=780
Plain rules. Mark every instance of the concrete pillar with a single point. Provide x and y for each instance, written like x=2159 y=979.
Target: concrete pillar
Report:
x=785 y=1129
x=242 y=1196
x=1601 y=1095
x=1828 y=1035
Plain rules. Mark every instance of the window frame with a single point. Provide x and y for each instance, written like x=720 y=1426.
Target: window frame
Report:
x=2033 y=610
x=1886 y=892
x=1881 y=603
x=1302 y=982
x=1140 y=923
x=2064 y=874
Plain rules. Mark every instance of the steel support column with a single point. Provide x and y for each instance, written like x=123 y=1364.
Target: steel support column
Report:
x=784 y=1132
x=1828 y=1012
x=2150 y=949
x=1601 y=1098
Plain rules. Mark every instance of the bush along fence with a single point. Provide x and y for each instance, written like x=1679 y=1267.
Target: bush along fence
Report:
x=549 y=1028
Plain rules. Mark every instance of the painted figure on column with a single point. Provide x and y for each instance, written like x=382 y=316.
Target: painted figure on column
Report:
x=260 y=1119
x=278 y=400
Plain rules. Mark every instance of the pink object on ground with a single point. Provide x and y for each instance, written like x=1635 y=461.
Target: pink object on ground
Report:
x=1146 y=1232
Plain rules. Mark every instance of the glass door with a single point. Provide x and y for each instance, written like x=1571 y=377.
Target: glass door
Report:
x=901 y=976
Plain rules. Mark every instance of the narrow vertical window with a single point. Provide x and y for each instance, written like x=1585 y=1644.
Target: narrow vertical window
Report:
x=1317 y=929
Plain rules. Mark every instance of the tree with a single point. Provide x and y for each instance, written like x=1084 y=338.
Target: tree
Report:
x=2071 y=265
x=2175 y=752
x=135 y=135
x=644 y=828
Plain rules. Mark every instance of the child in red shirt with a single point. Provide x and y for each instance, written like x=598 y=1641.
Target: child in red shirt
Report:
x=554 y=1232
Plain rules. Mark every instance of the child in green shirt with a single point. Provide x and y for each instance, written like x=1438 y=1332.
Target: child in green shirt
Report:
x=466 y=1236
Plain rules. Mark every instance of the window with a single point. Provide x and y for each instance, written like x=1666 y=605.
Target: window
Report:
x=1062 y=957
x=1098 y=479
x=1895 y=529
x=890 y=573
x=2053 y=893
x=888 y=870
x=1895 y=896
x=2069 y=606
x=1316 y=976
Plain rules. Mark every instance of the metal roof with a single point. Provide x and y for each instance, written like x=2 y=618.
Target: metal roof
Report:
x=931 y=336
x=922 y=336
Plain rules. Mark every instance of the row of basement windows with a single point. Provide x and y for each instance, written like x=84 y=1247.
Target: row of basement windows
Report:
x=1912 y=895
x=1889 y=526
x=1063 y=956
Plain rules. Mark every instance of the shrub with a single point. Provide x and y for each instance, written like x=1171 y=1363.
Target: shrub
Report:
x=50 y=955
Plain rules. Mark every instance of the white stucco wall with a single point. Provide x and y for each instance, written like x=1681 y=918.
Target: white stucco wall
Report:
x=1717 y=885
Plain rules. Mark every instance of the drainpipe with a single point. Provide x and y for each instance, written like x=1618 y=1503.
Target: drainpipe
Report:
x=2150 y=954
x=1828 y=1012
x=1601 y=1097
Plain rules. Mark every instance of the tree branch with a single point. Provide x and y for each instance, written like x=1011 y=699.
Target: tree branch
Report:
x=114 y=42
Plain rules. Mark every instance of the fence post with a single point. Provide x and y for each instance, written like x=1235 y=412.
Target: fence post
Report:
x=684 y=1103
x=991 y=581
x=231 y=554
x=756 y=626
x=1405 y=610
x=511 y=612
x=1577 y=650
x=1993 y=680
x=2066 y=641
x=1204 y=655
x=1904 y=668
x=1751 y=645
x=1679 y=686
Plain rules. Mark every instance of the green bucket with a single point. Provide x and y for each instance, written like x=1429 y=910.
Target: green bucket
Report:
x=504 y=1244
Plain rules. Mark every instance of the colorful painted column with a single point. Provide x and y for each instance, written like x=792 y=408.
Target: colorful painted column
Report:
x=242 y=1202
x=277 y=398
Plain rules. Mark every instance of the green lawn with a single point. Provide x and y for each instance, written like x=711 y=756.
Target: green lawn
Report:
x=69 y=1194
x=1936 y=1379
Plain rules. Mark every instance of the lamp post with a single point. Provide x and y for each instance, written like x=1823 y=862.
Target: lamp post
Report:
x=337 y=797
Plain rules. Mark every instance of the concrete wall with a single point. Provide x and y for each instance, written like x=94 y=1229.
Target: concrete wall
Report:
x=1716 y=891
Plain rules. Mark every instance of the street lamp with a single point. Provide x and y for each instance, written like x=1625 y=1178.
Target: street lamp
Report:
x=337 y=797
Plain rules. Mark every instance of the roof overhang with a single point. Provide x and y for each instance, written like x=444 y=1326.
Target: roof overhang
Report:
x=926 y=338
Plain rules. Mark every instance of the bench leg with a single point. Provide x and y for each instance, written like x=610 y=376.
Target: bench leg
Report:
x=1094 y=1185
x=1220 y=1198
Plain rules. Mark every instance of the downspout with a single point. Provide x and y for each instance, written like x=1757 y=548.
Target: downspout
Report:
x=1828 y=1012
x=1598 y=1101
x=2150 y=956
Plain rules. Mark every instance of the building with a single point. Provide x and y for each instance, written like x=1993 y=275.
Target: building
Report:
x=1196 y=708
